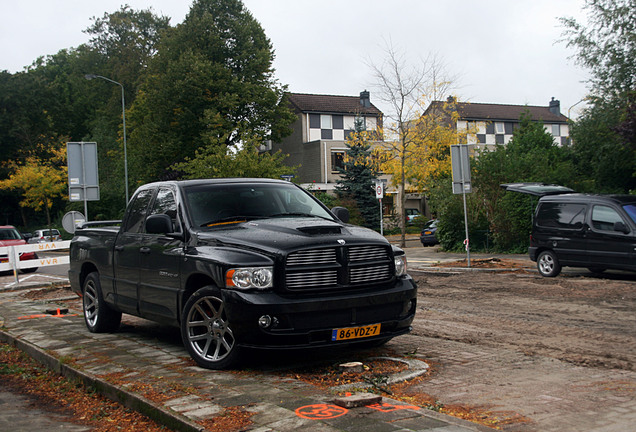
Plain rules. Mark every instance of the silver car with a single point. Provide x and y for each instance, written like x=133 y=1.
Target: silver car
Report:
x=45 y=235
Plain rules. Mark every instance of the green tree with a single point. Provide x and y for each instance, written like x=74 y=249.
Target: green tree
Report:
x=530 y=156
x=216 y=161
x=211 y=79
x=603 y=158
x=359 y=175
x=604 y=149
x=123 y=42
x=607 y=46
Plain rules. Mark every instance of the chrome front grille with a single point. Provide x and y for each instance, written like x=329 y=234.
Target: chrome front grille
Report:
x=316 y=256
x=338 y=268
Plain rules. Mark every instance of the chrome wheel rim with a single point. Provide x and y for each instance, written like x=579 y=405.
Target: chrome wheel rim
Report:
x=208 y=331
x=546 y=263
x=91 y=303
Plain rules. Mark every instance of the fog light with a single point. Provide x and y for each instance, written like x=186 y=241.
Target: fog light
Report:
x=407 y=307
x=265 y=321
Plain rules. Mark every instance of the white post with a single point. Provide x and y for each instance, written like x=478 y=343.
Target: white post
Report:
x=14 y=260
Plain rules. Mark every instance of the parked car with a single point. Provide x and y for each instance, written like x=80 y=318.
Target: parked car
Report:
x=239 y=263
x=411 y=214
x=593 y=231
x=45 y=235
x=428 y=235
x=9 y=236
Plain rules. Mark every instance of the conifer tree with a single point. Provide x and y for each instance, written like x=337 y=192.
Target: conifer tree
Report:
x=360 y=174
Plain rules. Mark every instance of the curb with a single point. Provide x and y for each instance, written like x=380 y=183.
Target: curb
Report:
x=128 y=399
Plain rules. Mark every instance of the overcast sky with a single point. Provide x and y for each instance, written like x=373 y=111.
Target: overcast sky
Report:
x=501 y=51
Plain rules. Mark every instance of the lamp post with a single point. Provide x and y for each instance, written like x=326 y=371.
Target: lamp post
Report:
x=123 y=111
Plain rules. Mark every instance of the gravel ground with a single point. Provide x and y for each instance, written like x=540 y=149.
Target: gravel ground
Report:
x=560 y=353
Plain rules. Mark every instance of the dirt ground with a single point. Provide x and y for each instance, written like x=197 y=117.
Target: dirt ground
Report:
x=557 y=353
x=530 y=353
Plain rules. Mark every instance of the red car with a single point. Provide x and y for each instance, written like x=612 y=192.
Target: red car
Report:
x=9 y=236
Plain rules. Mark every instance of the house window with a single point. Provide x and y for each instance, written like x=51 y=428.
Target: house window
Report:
x=338 y=121
x=556 y=130
x=325 y=121
x=337 y=160
x=314 y=121
x=499 y=128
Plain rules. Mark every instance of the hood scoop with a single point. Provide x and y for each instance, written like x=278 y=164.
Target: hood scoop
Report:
x=321 y=230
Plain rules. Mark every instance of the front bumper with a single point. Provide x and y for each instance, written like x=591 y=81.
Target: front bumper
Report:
x=309 y=322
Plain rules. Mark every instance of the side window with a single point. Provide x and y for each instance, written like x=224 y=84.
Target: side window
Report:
x=603 y=218
x=559 y=215
x=137 y=211
x=166 y=204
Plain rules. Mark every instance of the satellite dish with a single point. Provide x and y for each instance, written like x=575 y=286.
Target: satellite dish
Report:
x=72 y=220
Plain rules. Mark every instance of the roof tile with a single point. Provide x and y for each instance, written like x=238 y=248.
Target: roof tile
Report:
x=330 y=104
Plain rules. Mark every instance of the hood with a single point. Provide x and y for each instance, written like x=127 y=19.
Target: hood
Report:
x=288 y=234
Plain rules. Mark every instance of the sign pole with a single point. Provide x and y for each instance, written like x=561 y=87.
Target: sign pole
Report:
x=462 y=183
x=466 y=241
x=381 y=221
x=379 y=194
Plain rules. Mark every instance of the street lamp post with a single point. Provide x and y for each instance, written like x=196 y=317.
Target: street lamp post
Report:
x=123 y=110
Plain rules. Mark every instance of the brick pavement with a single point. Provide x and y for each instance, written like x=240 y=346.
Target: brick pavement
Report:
x=553 y=395
x=142 y=357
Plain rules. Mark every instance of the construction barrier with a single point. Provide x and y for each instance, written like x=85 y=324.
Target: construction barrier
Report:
x=10 y=256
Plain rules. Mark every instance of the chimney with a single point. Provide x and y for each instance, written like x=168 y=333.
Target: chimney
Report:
x=365 y=99
x=555 y=107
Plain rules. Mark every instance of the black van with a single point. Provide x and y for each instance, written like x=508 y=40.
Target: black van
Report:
x=578 y=230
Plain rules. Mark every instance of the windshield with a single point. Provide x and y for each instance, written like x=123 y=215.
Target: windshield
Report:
x=630 y=209
x=218 y=204
x=9 y=234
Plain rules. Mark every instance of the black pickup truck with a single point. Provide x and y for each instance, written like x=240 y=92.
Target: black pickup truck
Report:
x=242 y=263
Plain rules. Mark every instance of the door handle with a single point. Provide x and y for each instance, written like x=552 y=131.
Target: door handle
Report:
x=119 y=248
x=144 y=250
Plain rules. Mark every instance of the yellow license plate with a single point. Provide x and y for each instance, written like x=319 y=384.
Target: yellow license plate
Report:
x=355 y=332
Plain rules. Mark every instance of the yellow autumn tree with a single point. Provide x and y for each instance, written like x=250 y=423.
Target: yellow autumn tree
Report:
x=407 y=90
x=433 y=134
x=39 y=178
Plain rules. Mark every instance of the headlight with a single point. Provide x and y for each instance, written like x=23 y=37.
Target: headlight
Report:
x=250 y=277
x=400 y=265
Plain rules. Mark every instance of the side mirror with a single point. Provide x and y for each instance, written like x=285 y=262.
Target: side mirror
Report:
x=159 y=224
x=621 y=227
x=341 y=213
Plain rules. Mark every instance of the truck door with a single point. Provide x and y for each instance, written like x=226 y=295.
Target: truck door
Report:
x=607 y=247
x=127 y=256
x=160 y=272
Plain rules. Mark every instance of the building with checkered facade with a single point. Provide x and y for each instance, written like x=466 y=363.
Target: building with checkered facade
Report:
x=320 y=131
x=492 y=124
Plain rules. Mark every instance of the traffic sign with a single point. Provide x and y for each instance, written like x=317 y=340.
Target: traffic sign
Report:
x=379 y=190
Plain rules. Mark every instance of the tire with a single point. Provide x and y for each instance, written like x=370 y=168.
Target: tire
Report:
x=206 y=332
x=548 y=264
x=98 y=316
x=597 y=270
x=29 y=270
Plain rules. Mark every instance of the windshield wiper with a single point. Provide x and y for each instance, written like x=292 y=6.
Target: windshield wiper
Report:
x=230 y=219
